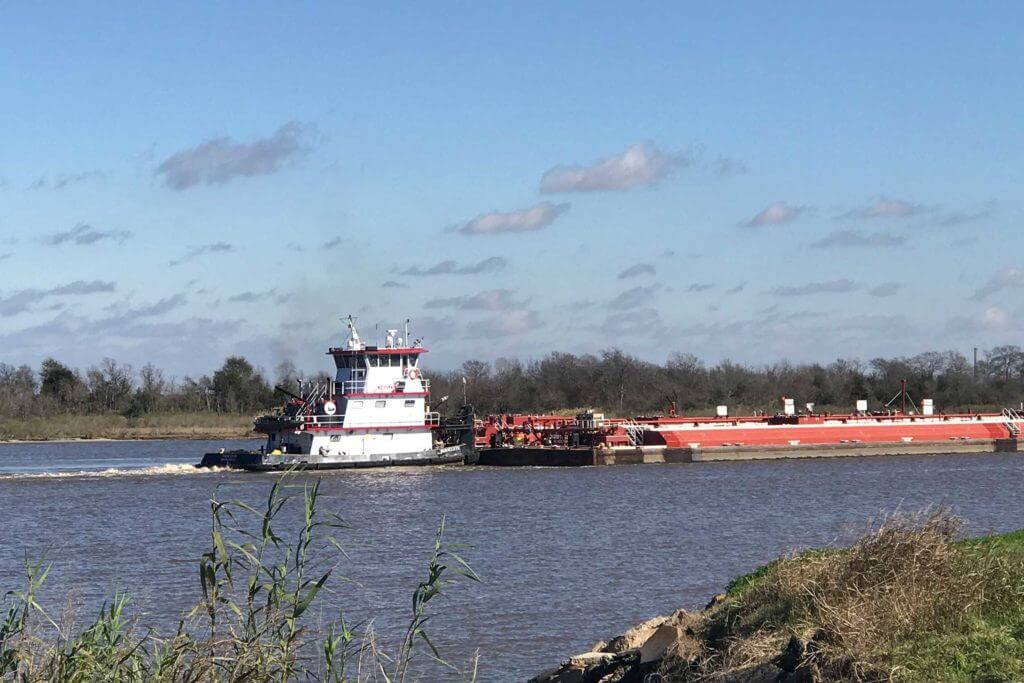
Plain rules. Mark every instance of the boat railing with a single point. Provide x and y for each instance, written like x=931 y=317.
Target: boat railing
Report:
x=359 y=386
x=431 y=419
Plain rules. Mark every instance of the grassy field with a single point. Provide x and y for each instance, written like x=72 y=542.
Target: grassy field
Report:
x=113 y=426
x=906 y=602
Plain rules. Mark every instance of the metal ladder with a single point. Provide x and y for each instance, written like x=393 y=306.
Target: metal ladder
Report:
x=635 y=431
x=1012 y=418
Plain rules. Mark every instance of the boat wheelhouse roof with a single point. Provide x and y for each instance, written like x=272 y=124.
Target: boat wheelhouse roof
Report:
x=375 y=351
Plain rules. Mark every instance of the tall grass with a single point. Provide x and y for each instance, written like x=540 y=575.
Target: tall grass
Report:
x=259 y=617
x=907 y=601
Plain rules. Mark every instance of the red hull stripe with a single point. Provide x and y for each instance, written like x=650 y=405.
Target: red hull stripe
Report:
x=827 y=435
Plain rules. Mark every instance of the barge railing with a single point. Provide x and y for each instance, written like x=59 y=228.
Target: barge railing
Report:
x=1012 y=420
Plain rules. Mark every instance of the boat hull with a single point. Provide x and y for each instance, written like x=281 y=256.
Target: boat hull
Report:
x=264 y=462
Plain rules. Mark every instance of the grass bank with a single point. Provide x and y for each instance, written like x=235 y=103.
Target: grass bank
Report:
x=906 y=602
x=114 y=426
x=909 y=601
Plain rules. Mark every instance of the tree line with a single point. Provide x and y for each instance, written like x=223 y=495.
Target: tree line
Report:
x=613 y=381
x=110 y=387
x=622 y=384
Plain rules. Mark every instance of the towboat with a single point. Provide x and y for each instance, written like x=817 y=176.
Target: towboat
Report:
x=374 y=413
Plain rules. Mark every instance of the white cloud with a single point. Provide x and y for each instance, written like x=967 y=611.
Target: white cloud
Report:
x=251 y=296
x=727 y=166
x=83 y=233
x=778 y=213
x=842 y=286
x=195 y=252
x=857 y=238
x=638 y=269
x=64 y=180
x=490 y=300
x=886 y=289
x=506 y=324
x=960 y=217
x=1005 y=279
x=23 y=299
x=994 y=317
x=886 y=207
x=525 y=220
x=641 y=164
x=634 y=297
x=451 y=267
x=222 y=159
x=130 y=316
x=644 y=321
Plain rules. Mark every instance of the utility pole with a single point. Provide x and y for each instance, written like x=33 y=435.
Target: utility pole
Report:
x=975 y=362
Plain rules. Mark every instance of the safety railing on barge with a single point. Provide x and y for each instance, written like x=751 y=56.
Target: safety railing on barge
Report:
x=1013 y=422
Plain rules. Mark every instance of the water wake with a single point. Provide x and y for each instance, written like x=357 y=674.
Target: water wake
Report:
x=171 y=468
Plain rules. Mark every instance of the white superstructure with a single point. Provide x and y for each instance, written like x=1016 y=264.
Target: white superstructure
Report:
x=374 y=412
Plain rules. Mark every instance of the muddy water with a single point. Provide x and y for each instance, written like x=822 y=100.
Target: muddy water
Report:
x=567 y=556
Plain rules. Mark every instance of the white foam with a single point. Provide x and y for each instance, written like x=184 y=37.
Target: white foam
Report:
x=171 y=468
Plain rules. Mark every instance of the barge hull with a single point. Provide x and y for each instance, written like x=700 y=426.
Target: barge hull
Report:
x=649 y=455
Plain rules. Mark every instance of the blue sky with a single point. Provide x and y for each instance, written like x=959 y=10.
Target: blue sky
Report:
x=798 y=181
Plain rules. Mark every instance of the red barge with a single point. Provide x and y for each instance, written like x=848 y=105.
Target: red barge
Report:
x=592 y=439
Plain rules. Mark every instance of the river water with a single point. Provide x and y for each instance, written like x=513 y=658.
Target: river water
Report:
x=566 y=556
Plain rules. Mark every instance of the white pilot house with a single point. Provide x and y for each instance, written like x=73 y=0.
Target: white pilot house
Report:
x=374 y=412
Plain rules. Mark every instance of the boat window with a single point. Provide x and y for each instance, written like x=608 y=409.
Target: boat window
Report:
x=380 y=404
x=410 y=403
x=357 y=404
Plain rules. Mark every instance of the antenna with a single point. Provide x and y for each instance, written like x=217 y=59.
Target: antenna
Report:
x=407 y=332
x=353 y=340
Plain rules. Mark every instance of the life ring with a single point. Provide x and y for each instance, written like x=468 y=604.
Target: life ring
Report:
x=330 y=408
x=414 y=373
